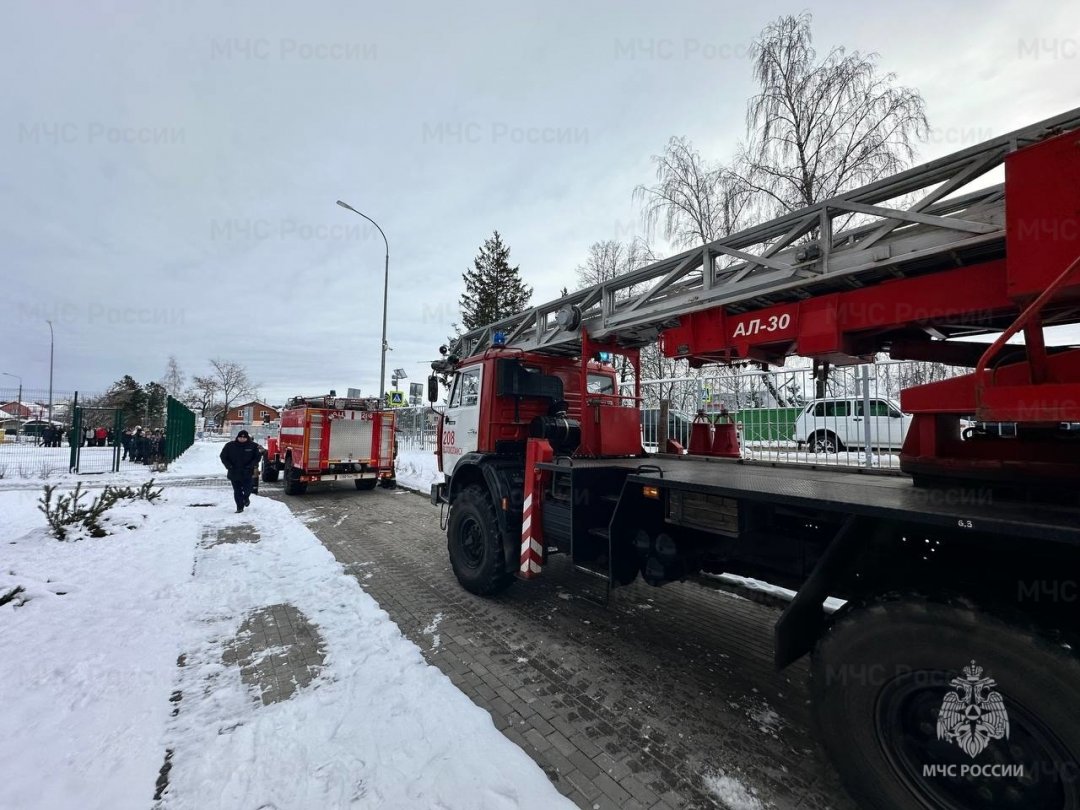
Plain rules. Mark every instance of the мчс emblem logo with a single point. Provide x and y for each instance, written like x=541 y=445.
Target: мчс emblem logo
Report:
x=973 y=715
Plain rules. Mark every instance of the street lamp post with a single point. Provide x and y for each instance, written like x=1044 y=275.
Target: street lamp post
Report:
x=386 y=283
x=18 y=432
x=51 y=345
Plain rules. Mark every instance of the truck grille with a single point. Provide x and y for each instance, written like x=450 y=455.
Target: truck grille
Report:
x=350 y=440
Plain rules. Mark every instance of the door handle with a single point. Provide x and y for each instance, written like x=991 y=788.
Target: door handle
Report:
x=472 y=432
x=450 y=422
x=856 y=419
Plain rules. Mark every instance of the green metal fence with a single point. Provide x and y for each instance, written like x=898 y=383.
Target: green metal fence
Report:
x=767 y=424
x=179 y=429
x=94 y=439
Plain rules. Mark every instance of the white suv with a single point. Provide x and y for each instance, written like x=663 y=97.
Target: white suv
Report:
x=837 y=424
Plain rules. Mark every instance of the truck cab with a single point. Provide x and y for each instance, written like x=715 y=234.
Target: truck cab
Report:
x=496 y=397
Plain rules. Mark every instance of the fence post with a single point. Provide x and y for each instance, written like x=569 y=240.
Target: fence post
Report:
x=118 y=434
x=75 y=436
x=866 y=414
x=662 y=426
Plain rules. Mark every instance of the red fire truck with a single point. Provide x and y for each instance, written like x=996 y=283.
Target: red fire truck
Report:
x=331 y=438
x=950 y=678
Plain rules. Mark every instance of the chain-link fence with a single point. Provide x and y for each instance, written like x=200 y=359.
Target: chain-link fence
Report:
x=780 y=418
x=40 y=437
x=36 y=432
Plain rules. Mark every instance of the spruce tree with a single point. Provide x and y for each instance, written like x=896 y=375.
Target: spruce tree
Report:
x=493 y=289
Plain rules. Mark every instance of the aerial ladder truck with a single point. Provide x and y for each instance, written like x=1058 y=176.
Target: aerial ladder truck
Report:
x=950 y=677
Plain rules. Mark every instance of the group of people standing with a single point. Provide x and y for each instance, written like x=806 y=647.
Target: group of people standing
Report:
x=52 y=436
x=143 y=446
x=98 y=437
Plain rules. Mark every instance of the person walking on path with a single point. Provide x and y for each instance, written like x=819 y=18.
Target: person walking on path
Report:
x=241 y=459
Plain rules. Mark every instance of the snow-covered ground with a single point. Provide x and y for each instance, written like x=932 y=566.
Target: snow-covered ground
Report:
x=841 y=460
x=117 y=650
x=417 y=469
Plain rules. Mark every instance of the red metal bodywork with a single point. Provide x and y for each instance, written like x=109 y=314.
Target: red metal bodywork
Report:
x=610 y=423
x=1037 y=283
x=306 y=438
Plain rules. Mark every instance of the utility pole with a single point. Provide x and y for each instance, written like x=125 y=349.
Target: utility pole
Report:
x=386 y=284
x=52 y=344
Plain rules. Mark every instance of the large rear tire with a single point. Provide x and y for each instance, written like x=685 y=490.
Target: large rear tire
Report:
x=293 y=484
x=475 y=544
x=366 y=484
x=882 y=678
x=269 y=471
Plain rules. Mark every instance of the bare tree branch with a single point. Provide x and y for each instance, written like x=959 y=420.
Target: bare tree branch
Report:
x=818 y=127
x=232 y=382
x=698 y=203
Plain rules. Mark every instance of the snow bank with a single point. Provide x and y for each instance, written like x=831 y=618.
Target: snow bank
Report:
x=417 y=469
x=120 y=654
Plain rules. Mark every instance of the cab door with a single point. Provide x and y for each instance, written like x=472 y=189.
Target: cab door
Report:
x=461 y=423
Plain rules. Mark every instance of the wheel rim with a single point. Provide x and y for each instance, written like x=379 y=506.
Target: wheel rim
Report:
x=471 y=541
x=906 y=730
x=824 y=445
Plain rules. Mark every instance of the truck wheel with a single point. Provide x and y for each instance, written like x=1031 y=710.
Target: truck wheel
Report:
x=825 y=441
x=388 y=483
x=293 y=484
x=269 y=471
x=475 y=545
x=897 y=693
x=366 y=484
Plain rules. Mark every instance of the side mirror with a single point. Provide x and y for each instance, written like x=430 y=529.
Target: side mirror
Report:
x=432 y=389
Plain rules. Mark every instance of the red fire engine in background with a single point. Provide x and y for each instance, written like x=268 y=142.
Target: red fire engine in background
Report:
x=331 y=438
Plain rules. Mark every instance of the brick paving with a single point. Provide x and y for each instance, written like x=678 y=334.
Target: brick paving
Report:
x=628 y=705
x=278 y=651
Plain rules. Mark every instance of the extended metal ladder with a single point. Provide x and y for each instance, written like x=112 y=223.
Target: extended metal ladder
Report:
x=910 y=224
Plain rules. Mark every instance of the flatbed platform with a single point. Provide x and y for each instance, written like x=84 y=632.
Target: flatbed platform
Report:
x=853 y=491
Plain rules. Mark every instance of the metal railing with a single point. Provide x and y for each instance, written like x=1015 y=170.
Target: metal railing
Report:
x=858 y=421
x=780 y=418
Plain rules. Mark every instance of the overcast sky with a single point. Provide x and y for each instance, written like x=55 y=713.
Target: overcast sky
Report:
x=170 y=169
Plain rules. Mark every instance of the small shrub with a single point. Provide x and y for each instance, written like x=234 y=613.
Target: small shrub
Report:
x=67 y=512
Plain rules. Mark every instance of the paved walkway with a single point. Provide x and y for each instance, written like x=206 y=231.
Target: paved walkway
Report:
x=634 y=704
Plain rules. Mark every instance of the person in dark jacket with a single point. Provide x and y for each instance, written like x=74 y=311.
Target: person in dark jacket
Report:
x=241 y=459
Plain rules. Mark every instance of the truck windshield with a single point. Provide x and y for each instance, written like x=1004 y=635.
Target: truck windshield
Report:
x=601 y=384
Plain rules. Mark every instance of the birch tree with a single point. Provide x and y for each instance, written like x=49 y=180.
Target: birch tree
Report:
x=819 y=126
